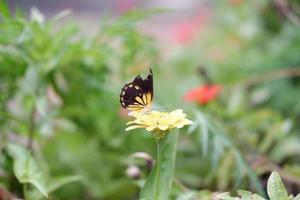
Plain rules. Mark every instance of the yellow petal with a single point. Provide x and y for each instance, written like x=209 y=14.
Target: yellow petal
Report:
x=155 y=120
x=163 y=128
x=150 y=128
x=134 y=127
x=130 y=122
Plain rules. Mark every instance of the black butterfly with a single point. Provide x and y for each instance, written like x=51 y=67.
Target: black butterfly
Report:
x=137 y=94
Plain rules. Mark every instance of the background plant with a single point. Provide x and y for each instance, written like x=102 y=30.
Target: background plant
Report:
x=60 y=109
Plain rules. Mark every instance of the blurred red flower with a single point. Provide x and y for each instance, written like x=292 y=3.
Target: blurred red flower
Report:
x=186 y=30
x=123 y=6
x=203 y=94
x=183 y=32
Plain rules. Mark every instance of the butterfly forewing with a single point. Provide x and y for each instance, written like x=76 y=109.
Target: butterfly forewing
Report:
x=137 y=94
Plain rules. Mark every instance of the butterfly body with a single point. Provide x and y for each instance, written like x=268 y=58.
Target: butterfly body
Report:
x=138 y=94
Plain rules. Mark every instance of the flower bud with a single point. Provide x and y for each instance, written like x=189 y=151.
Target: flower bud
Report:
x=133 y=172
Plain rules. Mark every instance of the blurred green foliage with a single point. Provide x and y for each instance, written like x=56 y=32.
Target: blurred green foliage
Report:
x=257 y=116
x=60 y=110
x=275 y=188
x=61 y=89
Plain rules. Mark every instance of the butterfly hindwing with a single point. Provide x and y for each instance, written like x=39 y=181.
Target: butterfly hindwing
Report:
x=137 y=94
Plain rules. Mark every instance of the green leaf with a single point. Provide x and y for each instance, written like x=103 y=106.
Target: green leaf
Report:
x=26 y=169
x=56 y=183
x=4 y=11
x=192 y=195
x=60 y=15
x=158 y=183
x=244 y=195
x=257 y=197
x=204 y=132
x=222 y=139
x=225 y=196
x=187 y=195
x=276 y=189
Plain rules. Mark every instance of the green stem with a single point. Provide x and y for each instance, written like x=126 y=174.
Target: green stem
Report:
x=158 y=169
x=25 y=185
x=31 y=129
x=159 y=182
x=25 y=191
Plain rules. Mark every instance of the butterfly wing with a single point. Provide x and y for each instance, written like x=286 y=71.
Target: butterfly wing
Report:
x=137 y=94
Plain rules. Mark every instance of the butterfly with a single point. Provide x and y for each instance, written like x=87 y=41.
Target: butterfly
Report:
x=138 y=94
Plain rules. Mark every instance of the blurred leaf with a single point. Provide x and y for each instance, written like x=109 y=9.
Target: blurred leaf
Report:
x=297 y=197
x=4 y=11
x=257 y=197
x=60 y=15
x=288 y=146
x=236 y=45
x=164 y=173
x=294 y=170
x=244 y=195
x=187 y=195
x=225 y=196
x=36 y=15
x=25 y=168
x=223 y=174
x=241 y=163
x=204 y=131
x=275 y=188
x=56 y=183
x=205 y=195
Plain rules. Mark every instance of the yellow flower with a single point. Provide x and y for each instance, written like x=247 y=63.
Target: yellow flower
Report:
x=158 y=122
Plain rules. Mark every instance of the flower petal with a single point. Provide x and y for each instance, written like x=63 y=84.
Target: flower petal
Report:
x=163 y=127
x=158 y=121
x=150 y=128
x=130 y=122
x=134 y=127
